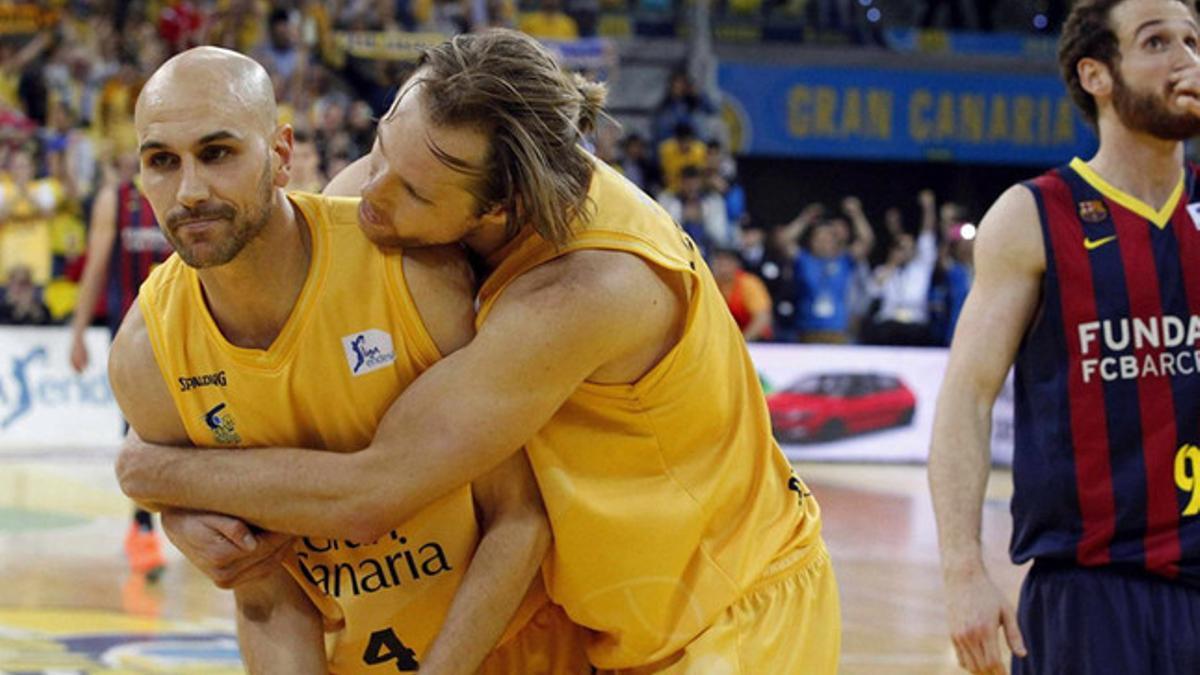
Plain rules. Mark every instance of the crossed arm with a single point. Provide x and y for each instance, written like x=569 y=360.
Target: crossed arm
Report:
x=550 y=331
x=279 y=630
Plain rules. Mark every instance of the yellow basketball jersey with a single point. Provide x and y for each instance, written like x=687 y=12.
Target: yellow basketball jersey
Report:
x=353 y=342
x=669 y=497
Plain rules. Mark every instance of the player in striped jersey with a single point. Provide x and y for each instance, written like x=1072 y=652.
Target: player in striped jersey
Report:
x=124 y=244
x=1086 y=283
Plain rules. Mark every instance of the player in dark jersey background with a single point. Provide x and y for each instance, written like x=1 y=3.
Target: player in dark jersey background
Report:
x=124 y=244
x=1088 y=282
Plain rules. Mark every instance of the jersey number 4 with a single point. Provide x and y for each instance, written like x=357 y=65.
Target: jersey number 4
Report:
x=384 y=646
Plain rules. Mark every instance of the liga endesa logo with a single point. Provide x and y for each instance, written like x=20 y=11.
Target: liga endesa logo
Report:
x=367 y=351
x=27 y=383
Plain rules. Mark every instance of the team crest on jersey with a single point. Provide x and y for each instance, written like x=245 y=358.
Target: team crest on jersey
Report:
x=1194 y=211
x=367 y=351
x=220 y=422
x=1093 y=211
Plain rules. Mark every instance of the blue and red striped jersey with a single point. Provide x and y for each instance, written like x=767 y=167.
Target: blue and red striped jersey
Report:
x=139 y=246
x=1107 y=381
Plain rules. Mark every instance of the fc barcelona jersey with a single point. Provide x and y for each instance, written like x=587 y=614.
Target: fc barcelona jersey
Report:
x=1107 y=468
x=139 y=247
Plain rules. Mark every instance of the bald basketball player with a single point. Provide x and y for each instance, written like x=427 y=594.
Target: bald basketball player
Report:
x=682 y=538
x=278 y=322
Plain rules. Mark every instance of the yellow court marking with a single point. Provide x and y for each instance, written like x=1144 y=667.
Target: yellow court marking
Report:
x=63 y=490
x=89 y=642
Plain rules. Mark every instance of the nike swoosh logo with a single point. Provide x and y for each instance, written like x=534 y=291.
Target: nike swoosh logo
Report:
x=1092 y=245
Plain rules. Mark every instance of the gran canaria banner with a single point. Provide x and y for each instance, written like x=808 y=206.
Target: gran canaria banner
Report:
x=875 y=113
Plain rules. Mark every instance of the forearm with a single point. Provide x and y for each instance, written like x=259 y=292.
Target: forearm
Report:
x=317 y=494
x=864 y=235
x=758 y=326
x=505 y=563
x=959 y=463
x=929 y=217
x=279 y=630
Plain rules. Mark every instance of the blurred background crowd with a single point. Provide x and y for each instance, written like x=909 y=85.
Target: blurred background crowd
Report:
x=854 y=265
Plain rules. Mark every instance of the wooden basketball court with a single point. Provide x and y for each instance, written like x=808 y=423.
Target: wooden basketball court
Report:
x=69 y=606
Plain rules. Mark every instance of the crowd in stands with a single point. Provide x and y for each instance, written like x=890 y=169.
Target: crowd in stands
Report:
x=833 y=278
x=824 y=277
x=69 y=78
x=66 y=131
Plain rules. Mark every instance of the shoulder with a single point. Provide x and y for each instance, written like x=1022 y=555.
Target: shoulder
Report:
x=131 y=362
x=1010 y=232
x=329 y=210
x=751 y=280
x=138 y=384
x=591 y=276
x=105 y=205
x=611 y=296
x=442 y=286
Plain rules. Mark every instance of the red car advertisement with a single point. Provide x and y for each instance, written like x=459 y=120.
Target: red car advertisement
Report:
x=828 y=406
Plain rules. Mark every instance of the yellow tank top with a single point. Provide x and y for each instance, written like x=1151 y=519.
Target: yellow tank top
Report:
x=669 y=497
x=353 y=342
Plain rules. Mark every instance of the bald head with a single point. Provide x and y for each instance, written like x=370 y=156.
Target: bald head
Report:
x=219 y=79
x=213 y=158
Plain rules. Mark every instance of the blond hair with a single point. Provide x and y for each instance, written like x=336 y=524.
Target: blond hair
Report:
x=508 y=86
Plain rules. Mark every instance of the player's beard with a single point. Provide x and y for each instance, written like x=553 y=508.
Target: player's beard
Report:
x=243 y=228
x=1147 y=112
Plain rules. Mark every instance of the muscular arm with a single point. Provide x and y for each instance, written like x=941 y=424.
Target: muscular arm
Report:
x=1011 y=261
x=274 y=617
x=515 y=538
x=864 y=234
x=550 y=331
x=138 y=386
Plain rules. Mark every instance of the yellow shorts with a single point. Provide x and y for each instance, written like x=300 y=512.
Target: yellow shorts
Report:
x=548 y=645
x=788 y=623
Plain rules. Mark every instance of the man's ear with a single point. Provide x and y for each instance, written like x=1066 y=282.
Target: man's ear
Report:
x=497 y=215
x=282 y=150
x=1095 y=77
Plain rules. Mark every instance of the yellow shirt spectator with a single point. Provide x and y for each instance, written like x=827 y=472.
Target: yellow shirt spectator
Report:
x=549 y=25
x=26 y=212
x=674 y=154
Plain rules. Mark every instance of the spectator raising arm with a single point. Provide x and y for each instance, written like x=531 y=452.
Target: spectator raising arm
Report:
x=864 y=236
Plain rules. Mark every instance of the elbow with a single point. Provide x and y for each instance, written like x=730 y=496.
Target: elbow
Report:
x=368 y=506
x=130 y=476
x=363 y=528
x=366 y=516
